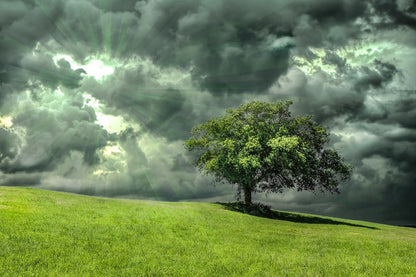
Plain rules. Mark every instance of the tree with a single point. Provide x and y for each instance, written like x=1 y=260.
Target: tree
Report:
x=261 y=147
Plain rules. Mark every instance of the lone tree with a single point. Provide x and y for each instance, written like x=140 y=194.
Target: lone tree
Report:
x=261 y=147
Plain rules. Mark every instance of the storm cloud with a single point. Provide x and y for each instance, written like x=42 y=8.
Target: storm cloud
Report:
x=98 y=97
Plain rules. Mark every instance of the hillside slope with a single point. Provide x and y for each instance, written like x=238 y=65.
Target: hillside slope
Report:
x=52 y=233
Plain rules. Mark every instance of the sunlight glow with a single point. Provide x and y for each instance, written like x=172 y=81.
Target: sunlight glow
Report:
x=317 y=64
x=111 y=123
x=112 y=149
x=6 y=122
x=115 y=157
x=98 y=69
x=94 y=67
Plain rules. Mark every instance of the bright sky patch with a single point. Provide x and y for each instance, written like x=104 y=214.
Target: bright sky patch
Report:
x=94 y=67
x=6 y=121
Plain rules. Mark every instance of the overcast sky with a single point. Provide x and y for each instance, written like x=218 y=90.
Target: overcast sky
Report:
x=97 y=97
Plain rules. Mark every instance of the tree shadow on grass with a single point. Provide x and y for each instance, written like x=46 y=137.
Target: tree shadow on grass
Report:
x=261 y=210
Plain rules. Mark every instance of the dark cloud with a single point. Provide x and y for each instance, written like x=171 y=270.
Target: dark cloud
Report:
x=51 y=134
x=23 y=24
x=231 y=46
x=8 y=146
x=333 y=59
x=375 y=78
x=21 y=179
x=346 y=95
x=237 y=46
x=42 y=68
x=137 y=94
x=397 y=12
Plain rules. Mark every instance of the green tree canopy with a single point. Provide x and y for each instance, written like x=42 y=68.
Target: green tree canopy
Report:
x=261 y=147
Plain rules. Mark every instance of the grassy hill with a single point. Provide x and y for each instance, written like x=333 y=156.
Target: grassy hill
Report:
x=50 y=233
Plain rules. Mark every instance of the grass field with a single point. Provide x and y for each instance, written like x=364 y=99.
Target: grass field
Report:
x=45 y=233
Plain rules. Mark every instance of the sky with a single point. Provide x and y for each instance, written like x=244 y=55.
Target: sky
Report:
x=97 y=97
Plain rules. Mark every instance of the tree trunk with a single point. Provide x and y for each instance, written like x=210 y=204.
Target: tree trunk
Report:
x=247 y=195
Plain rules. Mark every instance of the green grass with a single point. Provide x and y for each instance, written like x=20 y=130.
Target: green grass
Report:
x=45 y=233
